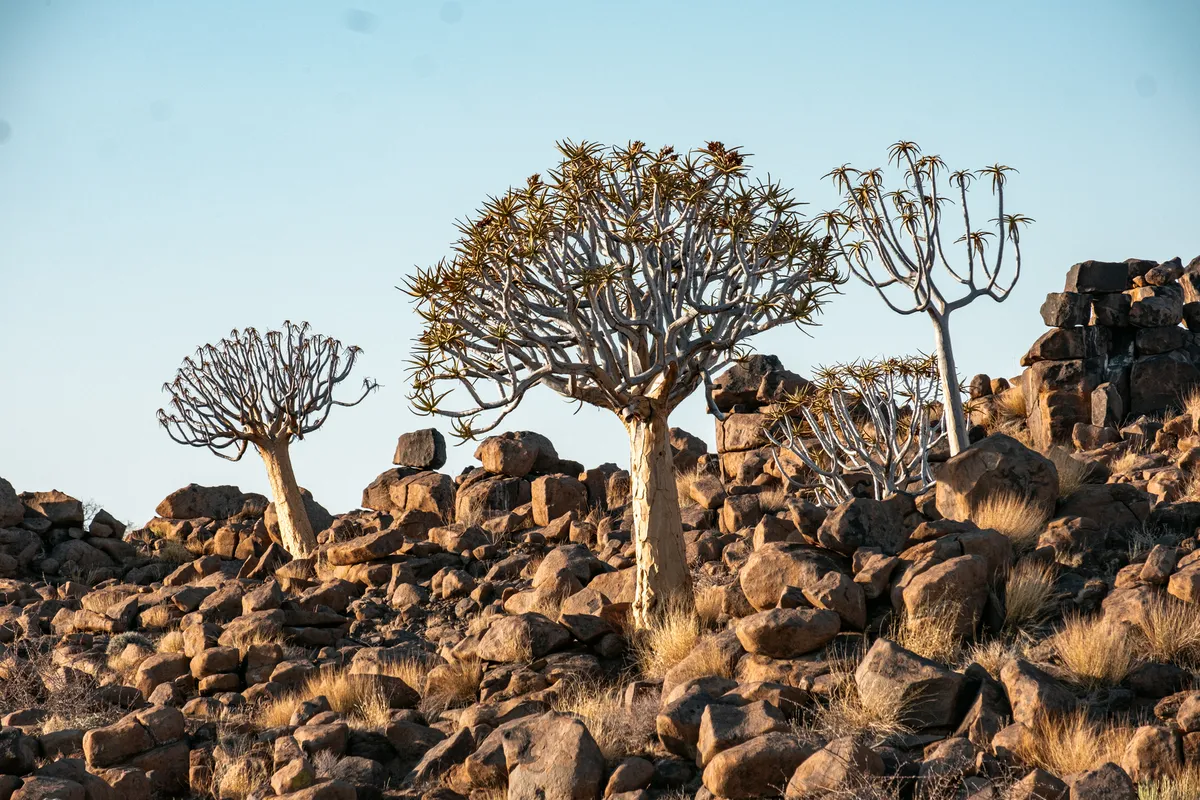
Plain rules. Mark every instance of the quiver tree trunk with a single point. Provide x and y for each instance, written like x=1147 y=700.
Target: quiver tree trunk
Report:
x=295 y=530
x=956 y=420
x=662 y=571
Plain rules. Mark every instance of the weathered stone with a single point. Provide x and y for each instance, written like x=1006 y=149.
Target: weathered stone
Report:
x=1033 y=693
x=863 y=522
x=423 y=449
x=928 y=693
x=1065 y=309
x=757 y=768
x=1158 y=381
x=787 y=632
x=996 y=466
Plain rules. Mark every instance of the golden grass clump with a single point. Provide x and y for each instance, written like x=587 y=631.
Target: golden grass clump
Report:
x=1125 y=462
x=670 y=638
x=1095 y=652
x=1170 y=633
x=451 y=685
x=684 y=481
x=1184 y=784
x=241 y=770
x=619 y=730
x=773 y=500
x=993 y=655
x=933 y=635
x=1072 y=472
x=1028 y=594
x=848 y=711
x=710 y=604
x=171 y=642
x=1010 y=405
x=1070 y=743
x=1014 y=516
x=359 y=698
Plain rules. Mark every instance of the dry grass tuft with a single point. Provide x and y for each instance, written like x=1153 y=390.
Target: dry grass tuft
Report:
x=1095 y=653
x=933 y=635
x=993 y=655
x=684 y=481
x=773 y=500
x=1072 y=472
x=172 y=552
x=848 y=712
x=1010 y=405
x=171 y=642
x=359 y=698
x=1028 y=594
x=669 y=639
x=1073 y=743
x=619 y=731
x=457 y=684
x=710 y=601
x=242 y=769
x=1170 y=633
x=1183 y=785
x=1015 y=517
x=1124 y=463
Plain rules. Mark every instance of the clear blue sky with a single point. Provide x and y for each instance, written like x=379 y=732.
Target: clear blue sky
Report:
x=169 y=171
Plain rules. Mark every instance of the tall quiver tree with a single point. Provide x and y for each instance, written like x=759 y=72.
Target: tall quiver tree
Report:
x=625 y=281
x=263 y=390
x=894 y=239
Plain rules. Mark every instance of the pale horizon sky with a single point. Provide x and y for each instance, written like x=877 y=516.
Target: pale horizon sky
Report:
x=170 y=171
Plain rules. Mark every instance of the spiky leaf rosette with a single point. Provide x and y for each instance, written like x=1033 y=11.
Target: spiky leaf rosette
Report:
x=625 y=276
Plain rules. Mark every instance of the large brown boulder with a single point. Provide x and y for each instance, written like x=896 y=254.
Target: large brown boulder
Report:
x=552 y=757
x=787 y=632
x=214 y=502
x=1058 y=395
x=776 y=566
x=863 y=522
x=401 y=489
x=929 y=695
x=60 y=508
x=757 y=768
x=12 y=510
x=423 y=449
x=522 y=637
x=995 y=467
x=556 y=495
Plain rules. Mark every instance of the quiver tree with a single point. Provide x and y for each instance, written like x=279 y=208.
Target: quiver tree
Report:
x=262 y=390
x=625 y=280
x=874 y=418
x=892 y=241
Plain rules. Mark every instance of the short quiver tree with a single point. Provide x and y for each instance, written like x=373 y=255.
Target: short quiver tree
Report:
x=892 y=241
x=877 y=419
x=625 y=281
x=262 y=390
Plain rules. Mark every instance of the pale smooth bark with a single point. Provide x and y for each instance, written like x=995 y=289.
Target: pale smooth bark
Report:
x=662 y=571
x=956 y=421
x=295 y=529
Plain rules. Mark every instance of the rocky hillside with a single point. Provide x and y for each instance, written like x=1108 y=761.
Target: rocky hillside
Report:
x=1028 y=627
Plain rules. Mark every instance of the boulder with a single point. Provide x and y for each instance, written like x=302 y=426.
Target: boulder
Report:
x=60 y=508
x=12 y=510
x=757 y=768
x=521 y=638
x=552 y=757
x=1033 y=693
x=423 y=449
x=928 y=693
x=776 y=566
x=213 y=502
x=787 y=632
x=863 y=522
x=837 y=768
x=993 y=467
x=557 y=495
